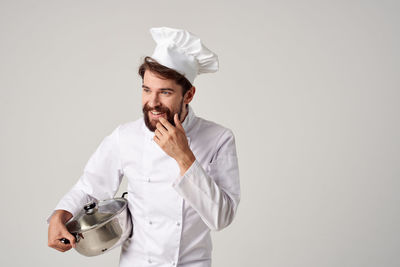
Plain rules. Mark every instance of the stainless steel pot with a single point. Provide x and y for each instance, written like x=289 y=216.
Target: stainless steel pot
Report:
x=100 y=226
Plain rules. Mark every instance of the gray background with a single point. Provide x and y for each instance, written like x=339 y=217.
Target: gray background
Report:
x=310 y=89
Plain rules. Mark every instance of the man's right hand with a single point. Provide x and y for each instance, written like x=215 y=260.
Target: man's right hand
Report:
x=57 y=231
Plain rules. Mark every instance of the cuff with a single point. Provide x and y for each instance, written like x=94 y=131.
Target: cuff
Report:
x=188 y=173
x=70 y=208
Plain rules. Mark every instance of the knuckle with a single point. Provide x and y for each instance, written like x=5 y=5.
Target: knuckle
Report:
x=63 y=249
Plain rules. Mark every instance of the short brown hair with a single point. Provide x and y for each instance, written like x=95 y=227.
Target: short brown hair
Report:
x=164 y=72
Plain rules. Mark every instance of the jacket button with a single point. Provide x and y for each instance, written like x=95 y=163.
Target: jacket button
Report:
x=149 y=261
x=150 y=222
x=178 y=223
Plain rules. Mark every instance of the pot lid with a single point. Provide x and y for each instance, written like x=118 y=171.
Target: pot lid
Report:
x=95 y=214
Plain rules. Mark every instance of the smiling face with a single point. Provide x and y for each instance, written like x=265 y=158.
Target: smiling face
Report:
x=162 y=98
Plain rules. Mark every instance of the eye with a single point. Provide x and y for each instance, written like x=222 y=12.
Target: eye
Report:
x=165 y=93
x=146 y=90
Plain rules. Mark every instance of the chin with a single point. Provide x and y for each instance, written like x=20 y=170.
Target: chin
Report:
x=154 y=122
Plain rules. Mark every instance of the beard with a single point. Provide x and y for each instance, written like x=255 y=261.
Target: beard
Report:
x=163 y=109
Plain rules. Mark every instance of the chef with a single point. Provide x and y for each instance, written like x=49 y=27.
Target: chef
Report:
x=182 y=170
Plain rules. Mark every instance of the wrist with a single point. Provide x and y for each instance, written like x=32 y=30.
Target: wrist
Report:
x=186 y=161
x=62 y=216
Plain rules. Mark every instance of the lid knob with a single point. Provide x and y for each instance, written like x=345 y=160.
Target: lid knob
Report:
x=90 y=208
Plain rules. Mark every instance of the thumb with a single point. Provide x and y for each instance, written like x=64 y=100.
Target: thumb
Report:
x=177 y=122
x=70 y=237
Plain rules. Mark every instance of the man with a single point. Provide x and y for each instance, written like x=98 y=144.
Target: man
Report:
x=182 y=170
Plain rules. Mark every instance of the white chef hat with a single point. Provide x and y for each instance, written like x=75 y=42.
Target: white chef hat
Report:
x=183 y=51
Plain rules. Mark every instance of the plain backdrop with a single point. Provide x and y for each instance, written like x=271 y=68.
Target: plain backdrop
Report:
x=309 y=88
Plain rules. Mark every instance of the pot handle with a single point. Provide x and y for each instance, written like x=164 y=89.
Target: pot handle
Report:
x=66 y=241
x=123 y=195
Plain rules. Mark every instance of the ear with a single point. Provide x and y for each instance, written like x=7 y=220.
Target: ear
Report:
x=189 y=95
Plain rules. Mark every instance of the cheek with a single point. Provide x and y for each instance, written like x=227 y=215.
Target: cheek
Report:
x=167 y=103
x=174 y=103
x=144 y=99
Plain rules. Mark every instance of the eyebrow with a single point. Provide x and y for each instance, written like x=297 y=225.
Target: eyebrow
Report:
x=161 y=89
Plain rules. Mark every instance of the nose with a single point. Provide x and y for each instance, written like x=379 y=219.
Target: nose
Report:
x=154 y=100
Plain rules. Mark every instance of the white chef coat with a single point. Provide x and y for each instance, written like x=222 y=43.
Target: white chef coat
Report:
x=172 y=215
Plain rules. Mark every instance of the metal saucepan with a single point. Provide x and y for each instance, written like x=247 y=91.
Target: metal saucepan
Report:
x=100 y=226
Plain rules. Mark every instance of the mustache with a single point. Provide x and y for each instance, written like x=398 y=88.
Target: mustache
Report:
x=159 y=108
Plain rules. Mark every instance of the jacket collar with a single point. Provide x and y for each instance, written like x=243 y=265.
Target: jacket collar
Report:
x=189 y=121
x=187 y=124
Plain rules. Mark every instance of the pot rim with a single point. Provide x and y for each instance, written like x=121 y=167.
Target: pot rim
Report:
x=124 y=207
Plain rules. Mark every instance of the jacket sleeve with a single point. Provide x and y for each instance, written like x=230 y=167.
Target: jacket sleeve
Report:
x=215 y=192
x=101 y=177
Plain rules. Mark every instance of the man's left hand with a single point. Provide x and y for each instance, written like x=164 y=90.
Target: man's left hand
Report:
x=174 y=142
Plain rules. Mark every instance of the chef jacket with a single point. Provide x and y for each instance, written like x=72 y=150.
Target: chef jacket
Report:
x=172 y=215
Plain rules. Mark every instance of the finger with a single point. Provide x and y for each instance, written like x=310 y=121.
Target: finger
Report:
x=166 y=124
x=178 y=122
x=58 y=245
x=161 y=128
x=71 y=239
x=59 y=249
x=158 y=133
x=63 y=247
x=156 y=139
x=66 y=234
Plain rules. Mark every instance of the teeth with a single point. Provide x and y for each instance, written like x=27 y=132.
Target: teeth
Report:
x=155 y=112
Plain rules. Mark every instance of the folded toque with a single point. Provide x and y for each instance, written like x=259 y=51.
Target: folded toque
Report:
x=183 y=51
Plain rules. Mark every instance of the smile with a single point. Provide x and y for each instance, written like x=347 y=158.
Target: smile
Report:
x=157 y=114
